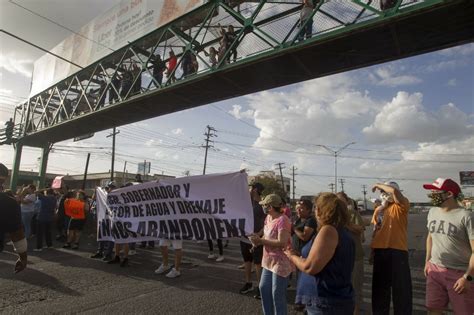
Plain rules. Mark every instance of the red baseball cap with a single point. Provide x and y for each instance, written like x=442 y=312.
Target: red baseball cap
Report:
x=443 y=184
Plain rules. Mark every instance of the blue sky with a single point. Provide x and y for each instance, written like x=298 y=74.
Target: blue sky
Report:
x=405 y=117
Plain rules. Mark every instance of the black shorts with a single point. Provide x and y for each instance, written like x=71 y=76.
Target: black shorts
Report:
x=249 y=256
x=75 y=224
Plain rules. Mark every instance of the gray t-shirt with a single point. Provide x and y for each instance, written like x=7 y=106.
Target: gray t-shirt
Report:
x=451 y=233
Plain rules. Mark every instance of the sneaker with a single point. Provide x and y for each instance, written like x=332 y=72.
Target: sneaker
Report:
x=75 y=246
x=116 y=260
x=241 y=266
x=67 y=245
x=248 y=287
x=107 y=258
x=37 y=249
x=257 y=294
x=211 y=256
x=132 y=252
x=173 y=273
x=96 y=255
x=220 y=258
x=124 y=263
x=162 y=269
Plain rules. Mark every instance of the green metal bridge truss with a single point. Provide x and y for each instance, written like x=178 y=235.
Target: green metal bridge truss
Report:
x=270 y=47
x=261 y=29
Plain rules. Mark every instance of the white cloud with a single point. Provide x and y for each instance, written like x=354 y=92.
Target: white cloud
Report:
x=177 y=131
x=415 y=169
x=150 y=142
x=447 y=65
x=452 y=82
x=319 y=111
x=16 y=66
x=463 y=50
x=239 y=114
x=389 y=76
x=405 y=118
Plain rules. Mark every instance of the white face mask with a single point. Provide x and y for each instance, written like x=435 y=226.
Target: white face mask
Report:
x=386 y=198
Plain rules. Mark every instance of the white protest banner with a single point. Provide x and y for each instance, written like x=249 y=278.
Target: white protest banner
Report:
x=196 y=207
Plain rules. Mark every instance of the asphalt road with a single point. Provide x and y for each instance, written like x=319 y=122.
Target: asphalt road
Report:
x=67 y=281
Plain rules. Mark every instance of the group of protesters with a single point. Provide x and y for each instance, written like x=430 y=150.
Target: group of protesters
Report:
x=321 y=246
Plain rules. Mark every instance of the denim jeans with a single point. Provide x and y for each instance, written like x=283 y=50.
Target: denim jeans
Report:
x=273 y=292
x=26 y=217
x=331 y=308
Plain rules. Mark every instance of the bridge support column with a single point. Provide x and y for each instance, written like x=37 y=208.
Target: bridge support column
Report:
x=16 y=166
x=43 y=166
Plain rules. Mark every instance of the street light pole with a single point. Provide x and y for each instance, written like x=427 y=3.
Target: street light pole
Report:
x=336 y=153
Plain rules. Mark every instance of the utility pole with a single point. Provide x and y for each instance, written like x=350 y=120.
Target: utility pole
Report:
x=281 y=166
x=123 y=174
x=335 y=153
x=364 y=191
x=294 y=186
x=342 y=181
x=331 y=186
x=210 y=132
x=85 y=171
x=113 y=134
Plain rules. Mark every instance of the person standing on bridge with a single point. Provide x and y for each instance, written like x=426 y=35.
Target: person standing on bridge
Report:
x=159 y=67
x=391 y=273
x=306 y=30
x=172 y=63
x=10 y=222
x=449 y=266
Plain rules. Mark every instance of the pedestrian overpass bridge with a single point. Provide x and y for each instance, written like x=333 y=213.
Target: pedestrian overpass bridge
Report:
x=274 y=48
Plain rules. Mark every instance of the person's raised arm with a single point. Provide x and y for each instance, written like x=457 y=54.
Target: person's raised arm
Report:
x=397 y=194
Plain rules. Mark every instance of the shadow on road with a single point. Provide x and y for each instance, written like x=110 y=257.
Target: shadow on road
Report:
x=37 y=278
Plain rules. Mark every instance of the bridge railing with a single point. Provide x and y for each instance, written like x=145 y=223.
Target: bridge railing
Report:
x=220 y=34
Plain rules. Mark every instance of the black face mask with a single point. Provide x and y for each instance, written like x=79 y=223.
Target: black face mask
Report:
x=437 y=199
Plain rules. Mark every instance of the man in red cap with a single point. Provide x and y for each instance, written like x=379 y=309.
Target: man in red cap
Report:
x=449 y=266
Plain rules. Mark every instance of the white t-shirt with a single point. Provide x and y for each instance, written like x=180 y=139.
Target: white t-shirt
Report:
x=28 y=207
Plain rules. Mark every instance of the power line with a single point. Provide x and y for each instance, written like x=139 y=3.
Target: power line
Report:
x=41 y=48
x=368 y=177
x=343 y=156
x=58 y=24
